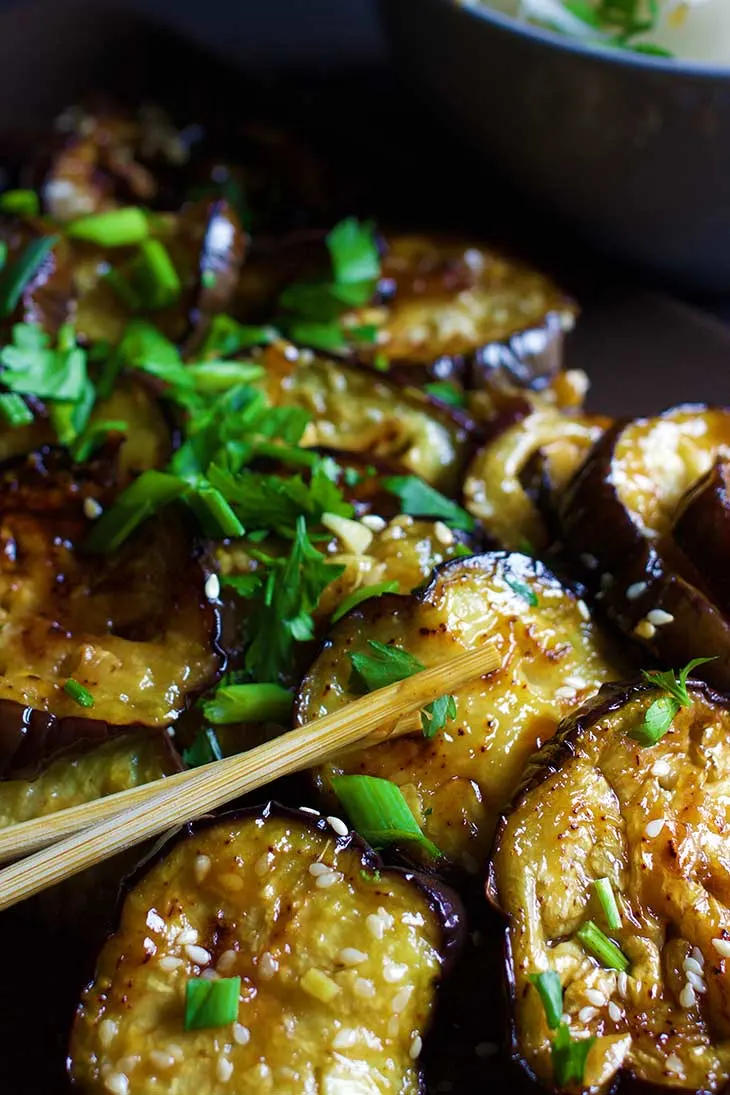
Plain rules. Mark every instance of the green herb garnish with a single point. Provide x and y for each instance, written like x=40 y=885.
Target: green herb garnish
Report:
x=248 y=703
x=447 y=392
x=16 y=276
x=551 y=994
x=204 y=749
x=569 y=1056
x=22 y=203
x=421 y=500
x=523 y=590
x=385 y=665
x=661 y=713
x=112 y=228
x=78 y=693
x=364 y=593
x=607 y=898
x=379 y=812
x=436 y=714
x=211 y=1003
x=602 y=948
x=14 y=410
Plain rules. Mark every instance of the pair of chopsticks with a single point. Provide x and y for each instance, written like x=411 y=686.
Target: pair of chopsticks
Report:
x=74 y=839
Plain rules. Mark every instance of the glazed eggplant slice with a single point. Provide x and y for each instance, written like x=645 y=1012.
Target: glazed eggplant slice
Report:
x=134 y=628
x=616 y=521
x=338 y=961
x=701 y=529
x=514 y=483
x=362 y=411
x=116 y=765
x=552 y=656
x=449 y=307
x=652 y=821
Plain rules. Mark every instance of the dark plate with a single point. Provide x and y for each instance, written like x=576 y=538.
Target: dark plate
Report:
x=642 y=351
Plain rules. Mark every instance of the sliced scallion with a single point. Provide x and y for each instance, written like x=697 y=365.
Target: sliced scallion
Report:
x=78 y=693
x=551 y=993
x=23 y=203
x=14 y=410
x=211 y=1003
x=379 y=812
x=155 y=277
x=112 y=228
x=134 y=505
x=569 y=1056
x=18 y=273
x=605 y=894
x=602 y=948
x=248 y=703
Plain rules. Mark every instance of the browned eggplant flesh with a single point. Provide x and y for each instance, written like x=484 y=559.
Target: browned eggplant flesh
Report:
x=601 y=810
x=552 y=657
x=625 y=521
x=335 y=959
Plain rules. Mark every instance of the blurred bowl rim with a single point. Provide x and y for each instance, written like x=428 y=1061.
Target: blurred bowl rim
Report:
x=480 y=11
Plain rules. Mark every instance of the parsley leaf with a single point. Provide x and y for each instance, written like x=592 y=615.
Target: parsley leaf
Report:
x=203 y=750
x=421 y=500
x=660 y=714
x=675 y=684
x=436 y=714
x=523 y=590
x=226 y=337
x=569 y=1056
x=31 y=366
x=385 y=665
x=364 y=593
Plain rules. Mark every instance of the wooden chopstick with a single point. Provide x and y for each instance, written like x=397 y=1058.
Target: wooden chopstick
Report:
x=183 y=797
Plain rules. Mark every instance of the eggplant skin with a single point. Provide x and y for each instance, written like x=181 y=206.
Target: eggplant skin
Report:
x=134 y=628
x=338 y=979
x=617 y=522
x=457 y=782
x=701 y=529
x=594 y=804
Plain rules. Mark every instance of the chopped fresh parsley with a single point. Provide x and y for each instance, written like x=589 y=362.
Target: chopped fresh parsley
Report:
x=661 y=713
x=523 y=590
x=436 y=714
x=447 y=392
x=14 y=410
x=364 y=593
x=383 y=666
x=33 y=367
x=419 y=499
x=226 y=337
x=248 y=703
x=609 y=23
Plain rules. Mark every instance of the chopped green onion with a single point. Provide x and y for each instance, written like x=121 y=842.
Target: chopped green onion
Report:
x=379 y=812
x=227 y=337
x=364 y=593
x=31 y=366
x=421 y=500
x=366 y=335
x=436 y=714
x=23 y=203
x=447 y=392
x=551 y=993
x=16 y=276
x=94 y=437
x=152 y=490
x=78 y=693
x=523 y=590
x=112 y=228
x=386 y=665
x=219 y=376
x=14 y=410
x=322 y=336
x=213 y=512
x=248 y=703
x=605 y=894
x=211 y=1003
x=354 y=251
x=154 y=276
x=569 y=1056
x=602 y=948
x=205 y=748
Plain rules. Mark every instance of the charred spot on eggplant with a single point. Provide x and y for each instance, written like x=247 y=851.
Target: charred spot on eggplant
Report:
x=598 y=805
x=617 y=523
x=334 y=960
x=552 y=656
x=134 y=629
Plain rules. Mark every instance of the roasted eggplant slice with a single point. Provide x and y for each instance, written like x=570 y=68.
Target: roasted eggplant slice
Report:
x=701 y=529
x=133 y=628
x=69 y=781
x=514 y=483
x=652 y=820
x=338 y=961
x=361 y=410
x=616 y=521
x=453 y=308
x=457 y=782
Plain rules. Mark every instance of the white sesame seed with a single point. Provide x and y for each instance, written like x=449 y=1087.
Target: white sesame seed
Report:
x=326 y=880
x=387 y=919
x=375 y=926
x=92 y=509
x=263 y=863
x=583 y=610
x=338 y=825
x=309 y=810
x=586 y=1014
x=622 y=982
x=635 y=591
x=400 y=1000
x=575 y=682
x=202 y=866
x=196 y=954
x=614 y=1012
x=108 y=1029
x=344 y=1039
x=241 y=1034
x=224 y=1070
x=593 y=996
x=414 y=1051
x=226 y=961
x=175 y=1051
x=645 y=630
x=564 y=693
x=687 y=996
x=443 y=534
x=486 y=1049
x=169 y=962
x=691 y=965
x=117 y=1083
x=696 y=981
x=350 y=956
x=698 y=956
x=653 y=828
x=393 y=972
x=161 y=1060
x=659 y=617
x=212 y=587
x=373 y=522
x=268 y=966
x=128 y=1064
x=364 y=988
x=722 y=946
x=660 y=767
x=187 y=935
x=209 y=975
x=318 y=869
x=393 y=1025
x=674 y=1065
